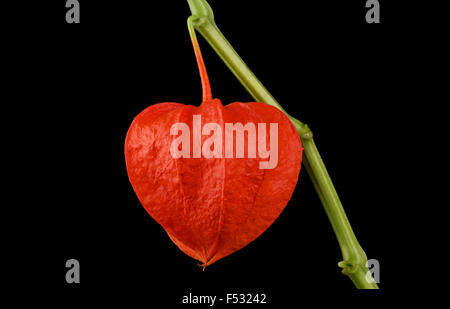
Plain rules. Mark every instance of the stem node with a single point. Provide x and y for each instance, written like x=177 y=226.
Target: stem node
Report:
x=306 y=133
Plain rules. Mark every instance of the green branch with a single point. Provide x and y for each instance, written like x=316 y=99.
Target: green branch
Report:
x=354 y=263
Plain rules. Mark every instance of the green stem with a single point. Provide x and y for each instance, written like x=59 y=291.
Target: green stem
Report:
x=354 y=264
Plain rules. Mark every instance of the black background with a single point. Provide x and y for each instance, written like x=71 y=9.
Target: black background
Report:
x=87 y=81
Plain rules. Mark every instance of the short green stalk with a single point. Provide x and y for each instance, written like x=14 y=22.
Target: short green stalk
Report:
x=354 y=263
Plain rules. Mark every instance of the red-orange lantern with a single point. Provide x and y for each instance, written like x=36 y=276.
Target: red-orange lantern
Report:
x=208 y=174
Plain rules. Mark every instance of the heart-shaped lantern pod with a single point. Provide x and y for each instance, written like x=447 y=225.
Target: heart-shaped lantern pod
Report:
x=214 y=177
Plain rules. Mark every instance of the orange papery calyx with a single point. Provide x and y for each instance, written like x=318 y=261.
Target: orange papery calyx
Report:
x=217 y=192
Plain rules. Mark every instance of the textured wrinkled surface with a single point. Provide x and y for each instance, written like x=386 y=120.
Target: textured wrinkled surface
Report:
x=212 y=207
